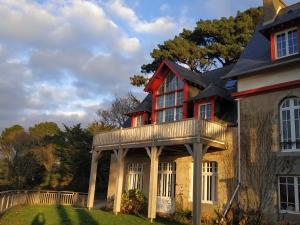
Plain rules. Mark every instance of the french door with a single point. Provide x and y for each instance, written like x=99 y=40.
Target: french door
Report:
x=166 y=187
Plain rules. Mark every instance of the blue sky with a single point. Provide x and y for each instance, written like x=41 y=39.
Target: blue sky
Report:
x=62 y=60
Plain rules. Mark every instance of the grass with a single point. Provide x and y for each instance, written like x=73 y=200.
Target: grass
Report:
x=66 y=215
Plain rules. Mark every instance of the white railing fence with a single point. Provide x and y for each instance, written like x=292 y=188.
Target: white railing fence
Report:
x=164 y=131
x=212 y=130
x=9 y=199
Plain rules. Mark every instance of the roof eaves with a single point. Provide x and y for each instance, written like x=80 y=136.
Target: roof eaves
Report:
x=262 y=68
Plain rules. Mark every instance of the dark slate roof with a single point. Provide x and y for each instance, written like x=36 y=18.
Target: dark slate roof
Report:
x=213 y=90
x=188 y=74
x=285 y=15
x=215 y=76
x=145 y=106
x=257 y=57
x=127 y=123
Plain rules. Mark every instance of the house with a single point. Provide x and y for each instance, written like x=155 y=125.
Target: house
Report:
x=268 y=96
x=185 y=115
x=200 y=140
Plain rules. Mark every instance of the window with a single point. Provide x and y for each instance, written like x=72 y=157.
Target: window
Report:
x=139 y=121
x=205 y=111
x=209 y=182
x=287 y=43
x=170 y=99
x=166 y=179
x=289 y=191
x=135 y=176
x=290 y=124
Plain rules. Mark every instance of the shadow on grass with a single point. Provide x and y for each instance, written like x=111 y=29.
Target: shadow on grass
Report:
x=85 y=218
x=168 y=221
x=63 y=216
x=39 y=219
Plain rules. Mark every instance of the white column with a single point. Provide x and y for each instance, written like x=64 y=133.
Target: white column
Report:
x=153 y=154
x=93 y=176
x=197 y=182
x=120 y=155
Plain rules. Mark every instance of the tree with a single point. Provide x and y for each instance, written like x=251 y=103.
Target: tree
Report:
x=212 y=43
x=116 y=116
x=16 y=144
x=97 y=127
x=43 y=129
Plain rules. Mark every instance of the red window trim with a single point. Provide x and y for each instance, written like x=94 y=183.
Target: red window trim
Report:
x=171 y=107
x=185 y=100
x=134 y=116
x=273 y=41
x=202 y=102
x=270 y=88
x=169 y=92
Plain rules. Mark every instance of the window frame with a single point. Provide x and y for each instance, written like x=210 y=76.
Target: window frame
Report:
x=135 y=173
x=286 y=42
x=211 y=110
x=291 y=110
x=166 y=180
x=179 y=90
x=139 y=120
x=214 y=182
x=296 y=197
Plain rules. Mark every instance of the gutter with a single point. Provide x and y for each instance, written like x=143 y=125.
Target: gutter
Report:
x=239 y=165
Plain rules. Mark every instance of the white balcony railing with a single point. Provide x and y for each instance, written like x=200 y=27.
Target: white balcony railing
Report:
x=190 y=128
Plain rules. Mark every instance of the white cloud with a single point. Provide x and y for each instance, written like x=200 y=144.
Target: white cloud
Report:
x=161 y=25
x=61 y=60
x=75 y=24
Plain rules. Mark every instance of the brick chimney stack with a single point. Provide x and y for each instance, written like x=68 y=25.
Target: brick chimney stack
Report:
x=271 y=9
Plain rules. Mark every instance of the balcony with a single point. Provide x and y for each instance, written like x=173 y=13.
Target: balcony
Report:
x=173 y=133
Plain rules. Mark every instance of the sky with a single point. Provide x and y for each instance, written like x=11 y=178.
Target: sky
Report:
x=61 y=61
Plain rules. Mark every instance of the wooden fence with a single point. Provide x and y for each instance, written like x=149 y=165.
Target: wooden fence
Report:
x=9 y=199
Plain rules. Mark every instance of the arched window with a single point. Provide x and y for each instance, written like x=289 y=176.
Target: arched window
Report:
x=290 y=124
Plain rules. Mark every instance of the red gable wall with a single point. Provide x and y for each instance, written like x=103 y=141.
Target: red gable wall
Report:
x=157 y=80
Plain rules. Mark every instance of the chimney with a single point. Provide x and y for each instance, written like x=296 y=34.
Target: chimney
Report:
x=271 y=9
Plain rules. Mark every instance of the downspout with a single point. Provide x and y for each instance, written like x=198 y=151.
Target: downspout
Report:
x=239 y=162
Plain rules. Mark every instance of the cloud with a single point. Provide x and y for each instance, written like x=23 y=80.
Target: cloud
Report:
x=61 y=60
x=75 y=24
x=160 y=25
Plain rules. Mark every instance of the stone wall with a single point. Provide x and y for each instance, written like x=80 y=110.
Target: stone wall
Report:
x=226 y=174
x=265 y=153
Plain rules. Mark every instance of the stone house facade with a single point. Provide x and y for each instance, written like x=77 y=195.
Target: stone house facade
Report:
x=200 y=141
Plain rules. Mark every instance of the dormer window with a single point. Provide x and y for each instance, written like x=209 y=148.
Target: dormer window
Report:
x=286 y=43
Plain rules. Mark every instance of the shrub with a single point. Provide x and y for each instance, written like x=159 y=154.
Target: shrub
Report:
x=183 y=216
x=133 y=202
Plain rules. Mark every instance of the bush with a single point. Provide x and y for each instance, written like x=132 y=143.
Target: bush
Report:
x=133 y=202
x=183 y=216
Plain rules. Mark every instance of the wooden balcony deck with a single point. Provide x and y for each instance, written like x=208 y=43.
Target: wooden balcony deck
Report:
x=173 y=133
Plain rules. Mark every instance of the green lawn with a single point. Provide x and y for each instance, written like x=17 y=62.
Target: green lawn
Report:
x=66 y=215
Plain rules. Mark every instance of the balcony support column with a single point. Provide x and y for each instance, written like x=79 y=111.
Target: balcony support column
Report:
x=93 y=176
x=120 y=155
x=153 y=154
x=197 y=152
